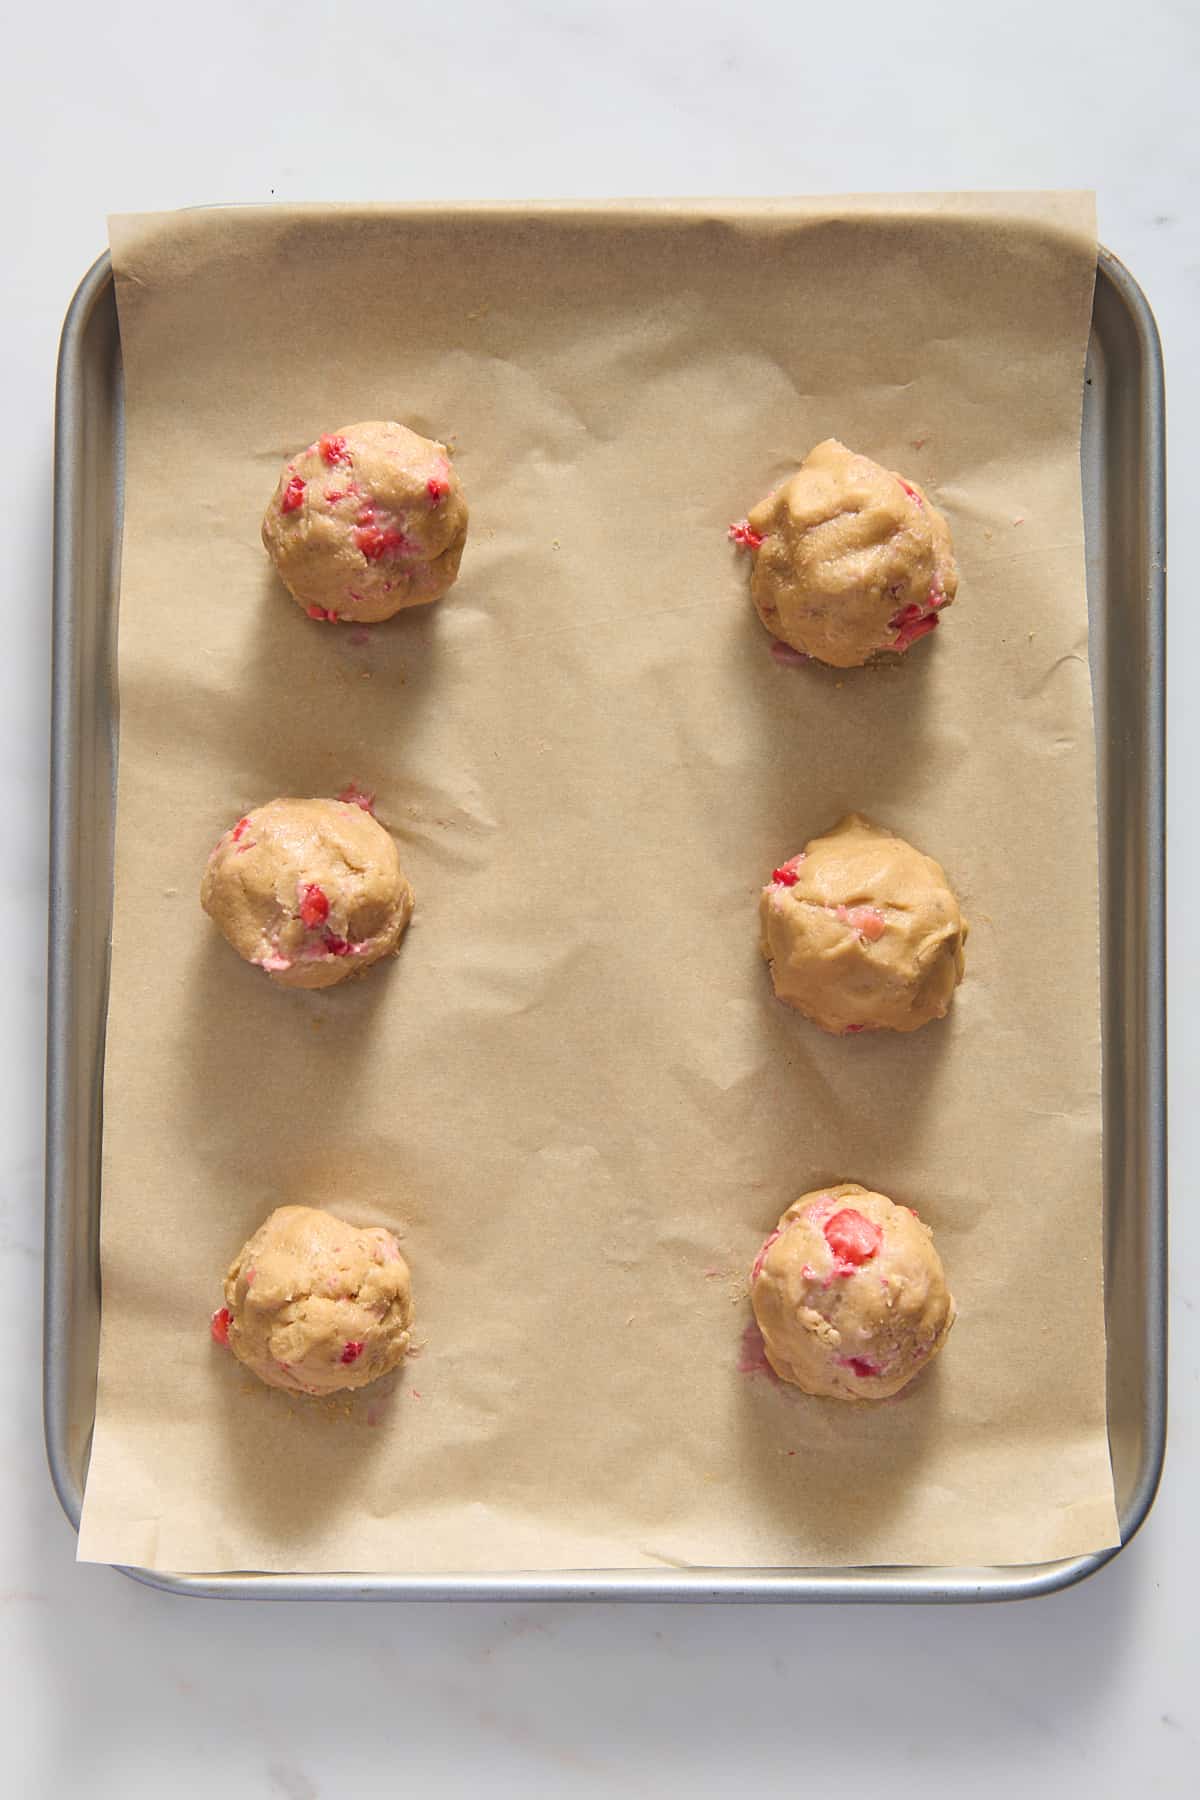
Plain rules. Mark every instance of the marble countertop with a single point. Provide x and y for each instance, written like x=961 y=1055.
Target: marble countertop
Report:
x=112 y=1689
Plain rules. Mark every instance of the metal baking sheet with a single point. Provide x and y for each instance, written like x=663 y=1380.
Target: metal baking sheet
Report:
x=1123 y=484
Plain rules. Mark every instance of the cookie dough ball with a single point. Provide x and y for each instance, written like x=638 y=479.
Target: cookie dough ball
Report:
x=862 y=932
x=849 y=559
x=309 y=890
x=850 y=1295
x=366 y=521
x=314 y=1305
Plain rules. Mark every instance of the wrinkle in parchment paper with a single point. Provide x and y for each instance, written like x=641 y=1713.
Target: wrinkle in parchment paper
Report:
x=573 y=1093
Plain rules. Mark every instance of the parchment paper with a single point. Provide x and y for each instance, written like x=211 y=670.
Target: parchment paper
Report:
x=573 y=1092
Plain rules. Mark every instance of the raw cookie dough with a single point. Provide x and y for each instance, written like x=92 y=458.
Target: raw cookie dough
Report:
x=849 y=559
x=314 y=1305
x=310 y=890
x=862 y=932
x=850 y=1295
x=367 y=520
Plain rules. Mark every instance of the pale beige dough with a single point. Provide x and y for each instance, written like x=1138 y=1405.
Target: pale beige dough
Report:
x=365 y=521
x=314 y=1305
x=862 y=932
x=850 y=1295
x=310 y=890
x=853 y=559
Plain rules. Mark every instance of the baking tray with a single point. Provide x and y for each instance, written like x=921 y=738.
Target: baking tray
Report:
x=1123 y=487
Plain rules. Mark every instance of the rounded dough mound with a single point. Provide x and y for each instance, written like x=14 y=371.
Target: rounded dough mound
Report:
x=862 y=932
x=366 y=521
x=309 y=890
x=850 y=1295
x=852 y=560
x=315 y=1305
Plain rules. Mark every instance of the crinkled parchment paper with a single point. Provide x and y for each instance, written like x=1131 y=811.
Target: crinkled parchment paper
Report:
x=573 y=1093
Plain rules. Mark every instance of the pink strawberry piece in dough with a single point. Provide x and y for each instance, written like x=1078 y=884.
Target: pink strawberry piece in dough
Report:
x=868 y=921
x=352 y=1352
x=849 y=1030
x=743 y=534
x=356 y=796
x=859 y=1365
x=375 y=543
x=437 y=487
x=274 y=962
x=913 y=621
x=314 y=905
x=787 y=874
x=761 y=1258
x=219 y=1326
x=852 y=1238
x=293 y=495
x=910 y=491
x=320 y=612
x=337 y=946
x=375 y=540
x=907 y=635
x=333 y=450
x=239 y=828
x=820 y=1209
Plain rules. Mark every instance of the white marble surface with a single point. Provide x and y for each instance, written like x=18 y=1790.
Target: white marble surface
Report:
x=110 y=1689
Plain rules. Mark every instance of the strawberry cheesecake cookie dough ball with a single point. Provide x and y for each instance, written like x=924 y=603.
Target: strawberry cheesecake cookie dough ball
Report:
x=849 y=559
x=366 y=521
x=314 y=1305
x=862 y=932
x=309 y=890
x=850 y=1295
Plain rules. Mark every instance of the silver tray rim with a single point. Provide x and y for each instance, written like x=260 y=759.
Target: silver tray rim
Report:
x=845 y=1585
